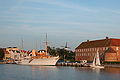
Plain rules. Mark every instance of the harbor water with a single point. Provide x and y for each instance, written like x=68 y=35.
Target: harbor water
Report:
x=20 y=72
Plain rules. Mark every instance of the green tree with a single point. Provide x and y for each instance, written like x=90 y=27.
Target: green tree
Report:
x=62 y=53
x=52 y=51
x=1 y=53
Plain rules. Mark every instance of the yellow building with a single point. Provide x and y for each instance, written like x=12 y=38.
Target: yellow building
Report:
x=7 y=52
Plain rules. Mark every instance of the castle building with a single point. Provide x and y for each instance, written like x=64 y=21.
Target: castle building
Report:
x=109 y=50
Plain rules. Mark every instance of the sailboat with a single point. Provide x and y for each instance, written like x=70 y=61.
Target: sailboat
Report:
x=96 y=61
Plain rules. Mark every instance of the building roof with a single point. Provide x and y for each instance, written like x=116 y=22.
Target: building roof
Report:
x=100 y=43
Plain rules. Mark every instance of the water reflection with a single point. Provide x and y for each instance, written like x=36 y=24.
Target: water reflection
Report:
x=97 y=70
x=77 y=73
x=19 y=72
x=100 y=74
x=43 y=68
x=112 y=70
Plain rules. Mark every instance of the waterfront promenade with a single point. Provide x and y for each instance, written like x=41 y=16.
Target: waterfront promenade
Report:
x=85 y=65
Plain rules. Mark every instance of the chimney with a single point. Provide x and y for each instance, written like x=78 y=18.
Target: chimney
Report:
x=107 y=37
x=87 y=40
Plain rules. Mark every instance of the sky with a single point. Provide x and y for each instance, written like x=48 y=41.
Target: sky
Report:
x=71 y=21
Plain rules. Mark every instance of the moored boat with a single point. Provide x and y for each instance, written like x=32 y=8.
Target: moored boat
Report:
x=48 y=60
x=41 y=57
x=96 y=62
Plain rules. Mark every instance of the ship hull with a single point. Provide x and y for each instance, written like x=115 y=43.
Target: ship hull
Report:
x=97 y=66
x=40 y=61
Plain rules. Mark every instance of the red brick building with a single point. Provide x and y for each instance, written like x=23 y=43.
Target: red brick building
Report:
x=109 y=50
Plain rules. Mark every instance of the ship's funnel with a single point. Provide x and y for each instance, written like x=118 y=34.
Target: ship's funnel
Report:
x=33 y=53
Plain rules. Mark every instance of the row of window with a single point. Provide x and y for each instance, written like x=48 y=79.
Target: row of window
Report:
x=91 y=49
x=85 y=54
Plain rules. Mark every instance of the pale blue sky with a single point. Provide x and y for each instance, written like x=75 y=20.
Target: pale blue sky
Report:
x=71 y=21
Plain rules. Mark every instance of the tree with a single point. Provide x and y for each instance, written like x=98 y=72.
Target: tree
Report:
x=62 y=53
x=52 y=51
x=1 y=53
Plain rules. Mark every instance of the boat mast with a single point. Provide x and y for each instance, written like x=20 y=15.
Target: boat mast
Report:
x=22 y=43
x=46 y=45
x=36 y=44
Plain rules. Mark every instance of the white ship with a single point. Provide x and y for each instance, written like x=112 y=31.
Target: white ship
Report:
x=39 y=61
x=41 y=57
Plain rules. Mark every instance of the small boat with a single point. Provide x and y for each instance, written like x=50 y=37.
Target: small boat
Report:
x=96 y=61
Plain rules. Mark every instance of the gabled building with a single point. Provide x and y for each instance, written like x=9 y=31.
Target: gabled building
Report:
x=109 y=50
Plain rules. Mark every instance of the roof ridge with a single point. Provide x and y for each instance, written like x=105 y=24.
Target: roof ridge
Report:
x=96 y=40
x=100 y=43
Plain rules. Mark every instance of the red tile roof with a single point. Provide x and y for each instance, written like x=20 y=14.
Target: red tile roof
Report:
x=115 y=42
x=100 y=43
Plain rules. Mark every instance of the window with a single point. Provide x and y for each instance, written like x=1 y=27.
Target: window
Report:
x=89 y=54
x=95 y=49
x=117 y=48
x=84 y=54
x=76 y=54
x=77 y=50
x=81 y=54
x=103 y=48
x=90 y=49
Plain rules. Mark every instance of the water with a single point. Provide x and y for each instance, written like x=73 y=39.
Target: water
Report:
x=20 y=72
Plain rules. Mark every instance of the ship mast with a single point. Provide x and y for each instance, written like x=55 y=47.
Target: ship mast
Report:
x=22 y=43
x=46 y=45
x=36 y=44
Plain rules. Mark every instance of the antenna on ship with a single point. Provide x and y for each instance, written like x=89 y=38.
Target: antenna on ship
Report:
x=36 y=44
x=22 y=43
